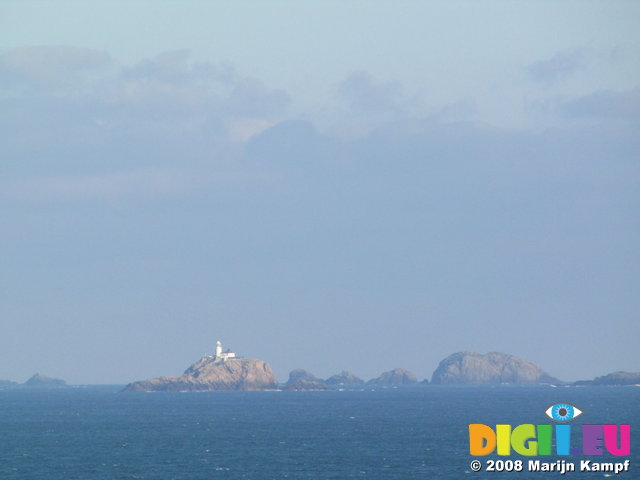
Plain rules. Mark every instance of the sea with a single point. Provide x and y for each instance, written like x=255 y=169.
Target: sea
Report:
x=97 y=432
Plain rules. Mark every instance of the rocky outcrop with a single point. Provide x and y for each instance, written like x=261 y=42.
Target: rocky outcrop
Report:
x=210 y=373
x=615 y=378
x=344 y=378
x=394 y=378
x=492 y=368
x=302 y=380
x=42 y=381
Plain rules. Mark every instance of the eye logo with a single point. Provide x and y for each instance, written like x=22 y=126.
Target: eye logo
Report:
x=563 y=412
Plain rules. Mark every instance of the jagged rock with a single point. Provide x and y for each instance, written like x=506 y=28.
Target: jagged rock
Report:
x=491 y=368
x=348 y=379
x=210 y=373
x=302 y=380
x=392 y=378
x=615 y=378
x=42 y=381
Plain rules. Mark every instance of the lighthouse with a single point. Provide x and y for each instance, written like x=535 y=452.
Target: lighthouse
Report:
x=220 y=355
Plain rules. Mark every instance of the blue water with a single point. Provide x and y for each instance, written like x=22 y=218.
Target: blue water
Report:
x=410 y=433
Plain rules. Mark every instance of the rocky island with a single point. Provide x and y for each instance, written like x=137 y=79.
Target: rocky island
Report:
x=37 y=380
x=222 y=371
x=471 y=368
x=344 y=379
x=394 y=378
x=42 y=381
x=300 y=379
x=615 y=378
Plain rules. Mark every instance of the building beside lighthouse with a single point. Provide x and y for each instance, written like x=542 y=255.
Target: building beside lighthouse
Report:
x=220 y=355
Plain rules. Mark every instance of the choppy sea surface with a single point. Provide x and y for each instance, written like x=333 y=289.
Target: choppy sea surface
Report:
x=405 y=433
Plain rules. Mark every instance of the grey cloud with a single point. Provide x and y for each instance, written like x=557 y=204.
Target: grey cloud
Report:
x=462 y=110
x=607 y=104
x=171 y=67
x=251 y=97
x=171 y=82
x=177 y=67
x=48 y=64
x=291 y=144
x=558 y=66
x=166 y=109
x=362 y=93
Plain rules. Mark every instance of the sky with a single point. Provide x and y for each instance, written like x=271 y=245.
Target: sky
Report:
x=322 y=185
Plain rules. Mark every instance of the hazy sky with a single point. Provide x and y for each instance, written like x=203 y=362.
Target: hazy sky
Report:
x=325 y=185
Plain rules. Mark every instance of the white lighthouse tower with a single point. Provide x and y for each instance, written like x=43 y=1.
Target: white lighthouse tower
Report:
x=220 y=355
